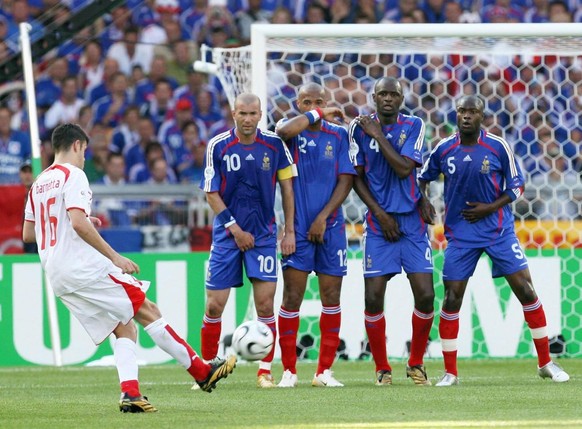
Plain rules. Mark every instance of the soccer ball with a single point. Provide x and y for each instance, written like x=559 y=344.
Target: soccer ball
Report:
x=253 y=340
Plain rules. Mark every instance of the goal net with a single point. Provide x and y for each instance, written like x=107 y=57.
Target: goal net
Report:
x=530 y=77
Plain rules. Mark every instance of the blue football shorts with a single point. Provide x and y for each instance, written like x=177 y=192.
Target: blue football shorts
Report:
x=328 y=258
x=507 y=257
x=225 y=266
x=412 y=252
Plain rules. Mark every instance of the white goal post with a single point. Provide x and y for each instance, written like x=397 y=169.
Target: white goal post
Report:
x=530 y=77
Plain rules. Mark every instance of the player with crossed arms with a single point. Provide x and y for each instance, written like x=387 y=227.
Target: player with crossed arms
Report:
x=93 y=280
x=386 y=149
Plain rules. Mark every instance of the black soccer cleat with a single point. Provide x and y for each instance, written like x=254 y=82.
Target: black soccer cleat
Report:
x=135 y=404
x=219 y=368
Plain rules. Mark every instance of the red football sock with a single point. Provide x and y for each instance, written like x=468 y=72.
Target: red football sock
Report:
x=270 y=322
x=449 y=331
x=535 y=318
x=210 y=337
x=131 y=387
x=329 y=326
x=376 y=330
x=288 y=327
x=421 y=324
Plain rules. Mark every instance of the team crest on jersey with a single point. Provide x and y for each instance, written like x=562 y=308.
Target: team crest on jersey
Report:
x=402 y=138
x=328 y=151
x=266 y=162
x=368 y=261
x=485 y=166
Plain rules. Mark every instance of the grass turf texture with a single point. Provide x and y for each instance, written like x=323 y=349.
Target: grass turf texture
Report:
x=492 y=393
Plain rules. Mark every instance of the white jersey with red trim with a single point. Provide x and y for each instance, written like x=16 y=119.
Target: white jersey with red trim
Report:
x=69 y=261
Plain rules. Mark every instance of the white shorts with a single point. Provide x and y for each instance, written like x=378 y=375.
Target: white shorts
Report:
x=110 y=300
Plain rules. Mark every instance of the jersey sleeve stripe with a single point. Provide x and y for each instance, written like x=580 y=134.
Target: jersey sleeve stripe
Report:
x=287 y=153
x=352 y=143
x=420 y=141
x=508 y=151
x=210 y=158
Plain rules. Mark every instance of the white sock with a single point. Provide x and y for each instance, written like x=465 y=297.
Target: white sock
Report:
x=125 y=359
x=166 y=339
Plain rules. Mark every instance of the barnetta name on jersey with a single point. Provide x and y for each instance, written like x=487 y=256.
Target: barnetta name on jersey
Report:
x=39 y=188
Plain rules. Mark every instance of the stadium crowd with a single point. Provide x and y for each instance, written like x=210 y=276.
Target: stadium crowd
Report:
x=128 y=80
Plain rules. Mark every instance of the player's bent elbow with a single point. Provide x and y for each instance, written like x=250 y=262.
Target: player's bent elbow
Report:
x=403 y=174
x=283 y=134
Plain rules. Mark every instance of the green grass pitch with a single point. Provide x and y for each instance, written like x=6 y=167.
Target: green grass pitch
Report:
x=492 y=393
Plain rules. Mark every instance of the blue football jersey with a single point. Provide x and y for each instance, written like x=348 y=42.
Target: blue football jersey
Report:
x=245 y=177
x=395 y=195
x=478 y=173
x=321 y=157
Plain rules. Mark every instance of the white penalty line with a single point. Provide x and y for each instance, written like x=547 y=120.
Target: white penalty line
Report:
x=447 y=424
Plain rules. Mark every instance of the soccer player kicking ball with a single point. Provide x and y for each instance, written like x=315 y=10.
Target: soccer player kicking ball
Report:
x=386 y=149
x=95 y=282
x=320 y=150
x=481 y=179
x=242 y=167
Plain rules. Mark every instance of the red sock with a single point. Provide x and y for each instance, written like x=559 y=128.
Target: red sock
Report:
x=376 y=330
x=421 y=324
x=131 y=387
x=329 y=326
x=449 y=331
x=535 y=318
x=288 y=327
x=270 y=322
x=210 y=337
x=197 y=369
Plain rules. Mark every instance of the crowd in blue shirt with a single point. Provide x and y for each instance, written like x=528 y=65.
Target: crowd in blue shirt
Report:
x=137 y=90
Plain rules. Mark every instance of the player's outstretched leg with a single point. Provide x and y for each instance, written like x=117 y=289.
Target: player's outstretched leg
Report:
x=205 y=374
x=219 y=369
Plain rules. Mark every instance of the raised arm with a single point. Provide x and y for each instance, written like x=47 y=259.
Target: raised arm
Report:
x=292 y=127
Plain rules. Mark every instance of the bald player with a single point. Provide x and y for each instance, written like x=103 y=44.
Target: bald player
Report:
x=241 y=168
